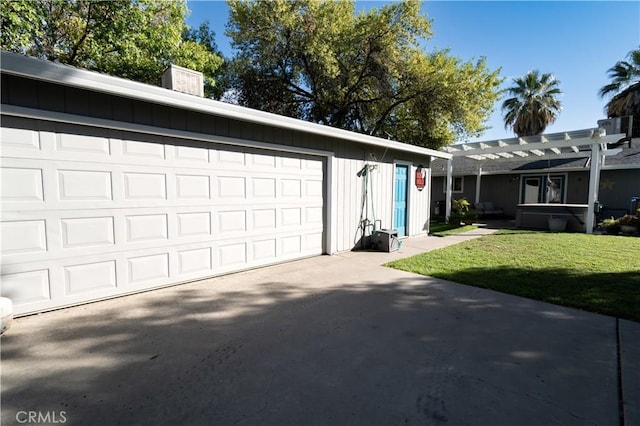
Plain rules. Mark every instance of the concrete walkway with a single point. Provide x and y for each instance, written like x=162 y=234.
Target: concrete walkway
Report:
x=335 y=340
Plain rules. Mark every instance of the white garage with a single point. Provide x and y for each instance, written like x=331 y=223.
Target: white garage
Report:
x=87 y=215
x=110 y=187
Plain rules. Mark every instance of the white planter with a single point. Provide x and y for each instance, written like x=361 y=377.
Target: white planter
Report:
x=557 y=224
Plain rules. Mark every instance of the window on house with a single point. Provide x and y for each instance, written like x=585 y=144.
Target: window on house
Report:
x=457 y=184
x=543 y=189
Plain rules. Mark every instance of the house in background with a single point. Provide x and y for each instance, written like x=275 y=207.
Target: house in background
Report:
x=111 y=187
x=544 y=178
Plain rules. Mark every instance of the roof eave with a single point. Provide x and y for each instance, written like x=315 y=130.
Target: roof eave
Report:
x=15 y=64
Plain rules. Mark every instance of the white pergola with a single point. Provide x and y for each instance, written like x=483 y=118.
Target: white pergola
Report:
x=549 y=146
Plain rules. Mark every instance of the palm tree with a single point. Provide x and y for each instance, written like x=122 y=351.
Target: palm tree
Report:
x=624 y=89
x=534 y=104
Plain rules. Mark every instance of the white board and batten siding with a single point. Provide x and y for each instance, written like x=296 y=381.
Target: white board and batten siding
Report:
x=420 y=202
x=349 y=198
x=86 y=215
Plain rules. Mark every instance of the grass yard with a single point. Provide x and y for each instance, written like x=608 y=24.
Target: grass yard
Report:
x=597 y=273
x=440 y=229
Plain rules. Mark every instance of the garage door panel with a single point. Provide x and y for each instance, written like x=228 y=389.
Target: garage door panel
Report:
x=194 y=224
x=14 y=140
x=291 y=188
x=91 y=217
x=27 y=287
x=145 y=186
x=290 y=163
x=84 y=185
x=313 y=188
x=229 y=158
x=231 y=187
x=193 y=186
x=263 y=161
x=264 y=250
x=264 y=219
x=313 y=216
x=63 y=235
x=312 y=242
x=232 y=253
x=195 y=261
x=84 y=144
x=87 y=232
x=232 y=221
x=291 y=245
x=191 y=154
x=148 y=268
x=147 y=227
x=140 y=149
x=291 y=216
x=23 y=237
x=263 y=187
x=93 y=277
x=316 y=165
x=88 y=277
x=21 y=184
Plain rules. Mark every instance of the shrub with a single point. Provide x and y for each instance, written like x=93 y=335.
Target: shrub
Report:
x=610 y=225
x=629 y=219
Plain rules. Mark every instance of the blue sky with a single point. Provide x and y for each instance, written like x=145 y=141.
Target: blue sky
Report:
x=577 y=41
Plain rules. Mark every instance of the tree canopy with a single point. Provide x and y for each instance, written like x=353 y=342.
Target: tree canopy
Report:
x=322 y=61
x=624 y=89
x=134 y=39
x=534 y=104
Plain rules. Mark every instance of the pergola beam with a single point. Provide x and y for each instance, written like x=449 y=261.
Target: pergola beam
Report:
x=522 y=145
x=559 y=145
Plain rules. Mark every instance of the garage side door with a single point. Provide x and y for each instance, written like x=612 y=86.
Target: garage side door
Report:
x=90 y=213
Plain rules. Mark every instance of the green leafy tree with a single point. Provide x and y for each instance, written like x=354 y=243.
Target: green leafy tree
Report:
x=624 y=90
x=134 y=39
x=214 y=72
x=322 y=61
x=534 y=104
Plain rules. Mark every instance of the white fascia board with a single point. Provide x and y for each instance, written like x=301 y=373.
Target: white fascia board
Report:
x=82 y=120
x=12 y=63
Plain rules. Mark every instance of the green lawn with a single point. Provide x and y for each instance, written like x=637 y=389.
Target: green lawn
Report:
x=597 y=273
x=440 y=229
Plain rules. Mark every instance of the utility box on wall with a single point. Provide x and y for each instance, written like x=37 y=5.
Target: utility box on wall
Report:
x=183 y=80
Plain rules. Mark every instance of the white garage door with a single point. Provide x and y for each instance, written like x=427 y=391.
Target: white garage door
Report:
x=90 y=213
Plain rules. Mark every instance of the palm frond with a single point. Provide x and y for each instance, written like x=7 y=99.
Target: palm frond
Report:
x=533 y=105
x=623 y=75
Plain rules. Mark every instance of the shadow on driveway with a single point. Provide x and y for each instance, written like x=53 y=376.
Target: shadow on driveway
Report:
x=264 y=348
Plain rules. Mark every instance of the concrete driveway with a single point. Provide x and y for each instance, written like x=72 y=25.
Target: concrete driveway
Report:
x=336 y=340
